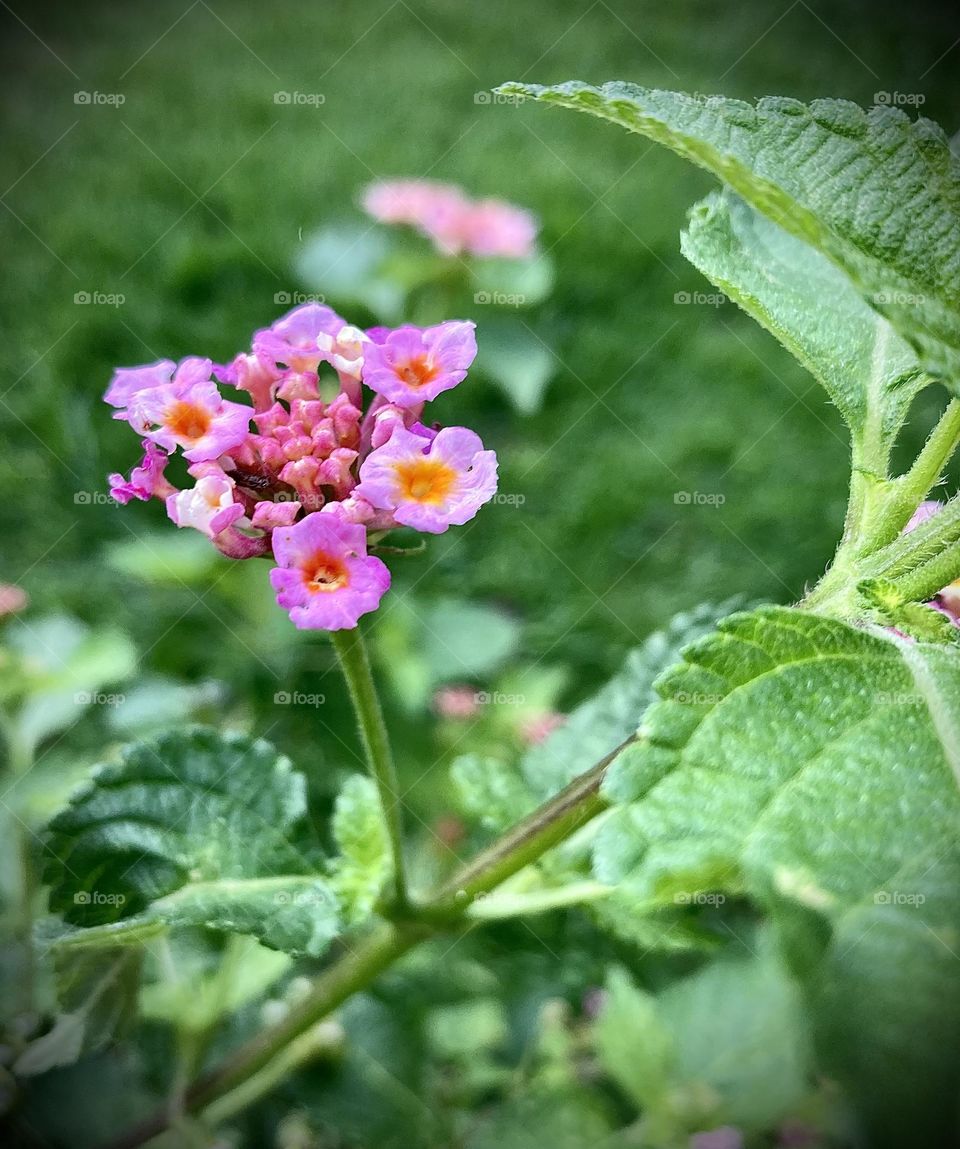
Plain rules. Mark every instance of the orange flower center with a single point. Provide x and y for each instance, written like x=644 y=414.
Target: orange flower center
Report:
x=425 y=480
x=188 y=421
x=323 y=572
x=417 y=372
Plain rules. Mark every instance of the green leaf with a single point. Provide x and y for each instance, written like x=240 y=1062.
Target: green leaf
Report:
x=870 y=373
x=363 y=864
x=192 y=828
x=209 y=983
x=563 y=1118
x=97 y=997
x=517 y=361
x=424 y=644
x=725 y=1045
x=602 y=723
x=512 y=282
x=875 y=191
x=739 y=1029
x=810 y=762
x=65 y=666
x=496 y=793
x=491 y=792
x=633 y=1043
x=345 y=262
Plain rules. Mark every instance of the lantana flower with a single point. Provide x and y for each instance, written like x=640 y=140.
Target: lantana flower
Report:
x=430 y=482
x=454 y=222
x=208 y=506
x=192 y=416
x=146 y=480
x=312 y=481
x=412 y=365
x=325 y=578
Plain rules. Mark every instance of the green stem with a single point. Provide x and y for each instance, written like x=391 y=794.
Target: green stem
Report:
x=326 y=1037
x=910 y=489
x=913 y=550
x=547 y=826
x=528 y=840
x=352 y=653
x=873 y=544
x=924 y=581
x=354 y=972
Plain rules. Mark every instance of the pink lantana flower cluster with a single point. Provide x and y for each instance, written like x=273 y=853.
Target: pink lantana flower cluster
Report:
x=453 y=221
x=278 y=470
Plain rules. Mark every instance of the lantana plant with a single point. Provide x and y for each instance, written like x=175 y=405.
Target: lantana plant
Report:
x=785 y=776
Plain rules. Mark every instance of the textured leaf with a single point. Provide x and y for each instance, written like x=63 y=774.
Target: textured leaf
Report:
x=491 y=792
x=497 y=793
x=192 y=828
x=602 y=723
x=870 y=373
x=363 y=864
x=875 y=191
x=812 y=763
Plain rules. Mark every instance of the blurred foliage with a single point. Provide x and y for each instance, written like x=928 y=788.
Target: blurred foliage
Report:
x=195 y=199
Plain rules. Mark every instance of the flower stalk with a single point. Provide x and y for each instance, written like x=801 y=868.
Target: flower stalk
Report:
x=354 y=661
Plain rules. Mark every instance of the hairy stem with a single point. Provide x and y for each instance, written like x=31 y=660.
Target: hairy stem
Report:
x=352 y=653
x=547 y=826
x=924 y=581
x=873 y=544
x=525 y=843
x=910 y=489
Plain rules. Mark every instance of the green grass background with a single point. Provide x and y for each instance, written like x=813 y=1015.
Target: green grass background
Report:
x=191 y=199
